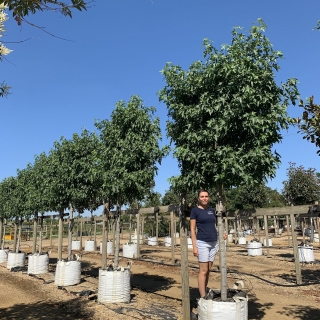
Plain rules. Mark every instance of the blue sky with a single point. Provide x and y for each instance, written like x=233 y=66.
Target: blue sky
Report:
x=117 y=48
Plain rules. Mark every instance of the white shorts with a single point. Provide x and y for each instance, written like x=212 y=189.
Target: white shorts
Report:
x=207 y=250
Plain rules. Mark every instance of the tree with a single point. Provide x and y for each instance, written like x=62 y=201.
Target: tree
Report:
x=302 y=186
x=129 y=155
x=152 y=199
x=22 y=8
x=253 y=196
x=226 y=113
x=310 y=123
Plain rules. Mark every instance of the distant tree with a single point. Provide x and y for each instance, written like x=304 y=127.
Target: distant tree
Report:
x=253 y=196
x=309 y=125
x=152 y=199
x=302 y=186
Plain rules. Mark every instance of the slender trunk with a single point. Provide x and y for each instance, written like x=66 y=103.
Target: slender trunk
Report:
x=51 y=233
x=60 y=235
x=138 y=235
x=184 y=260
x=222 y=248
x=173 y=238
x=130 y=227
x=81 y=228
x=71 y=220
x=35 y=228
x=105 y=235
x=116 y=254
x=3 y=236
x=41 y=234
x=15 y=237
x=95 y=234
x=19 y=236
x=266 y=234
x=114 y=235
x=157 y=227
x=295 y=250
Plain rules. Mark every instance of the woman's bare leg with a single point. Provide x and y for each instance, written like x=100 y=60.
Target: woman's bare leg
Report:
x=203 y=277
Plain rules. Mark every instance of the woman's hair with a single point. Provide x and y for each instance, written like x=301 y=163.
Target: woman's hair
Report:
x=203 y=190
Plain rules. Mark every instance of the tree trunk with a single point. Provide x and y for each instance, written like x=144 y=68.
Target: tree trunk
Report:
x=51 y=233
x=222 y=248
x=116 y=256
x=266 y=234
x=41 y=234
x=157 y=227
x=35 y=228
x=173 y=238
x=60 y=235
x=104 y=235
x=70 y=232
x=138 y=235
x=3 y=236
x=15 y=237
x=184 y=261
x=19 y=237
x=295 y=250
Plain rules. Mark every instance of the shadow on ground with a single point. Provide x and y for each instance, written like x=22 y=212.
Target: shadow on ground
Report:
x=151 y=283
x=72 y=309
x=301 y=312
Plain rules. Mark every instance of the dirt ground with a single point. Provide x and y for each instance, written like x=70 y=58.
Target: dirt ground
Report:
x=156 y=285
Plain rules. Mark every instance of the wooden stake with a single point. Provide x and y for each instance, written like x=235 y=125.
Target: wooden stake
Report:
x=295 y=250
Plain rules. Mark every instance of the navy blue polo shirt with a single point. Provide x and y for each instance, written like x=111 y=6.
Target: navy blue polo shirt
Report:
x=206 y=223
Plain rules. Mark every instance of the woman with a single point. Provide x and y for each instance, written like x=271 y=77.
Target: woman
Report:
x=205 y=242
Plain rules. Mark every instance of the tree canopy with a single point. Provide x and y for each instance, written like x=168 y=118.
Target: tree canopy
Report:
x=130 y=150
x=22 y=8
x=226 y=113
x=302 y=186
x=310 y=124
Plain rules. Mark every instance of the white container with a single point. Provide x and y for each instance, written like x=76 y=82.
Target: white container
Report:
x=129 y=250
x=114 y=286
x=230 y=238
x=316 y=237
x=89 y=245
x=190 y=246
x=134 y=238
x=68 y=273
x=38 y=263
x=109 y=247
x=152 y=241
x=269 y=242
x=254 y=249
x=242 y=240
x=167 y=241
x=305 y=253
x=75 y=245
x=280 y=231
x=177 y=235
x=226 y=310
x=16 y=259
x=3 y=255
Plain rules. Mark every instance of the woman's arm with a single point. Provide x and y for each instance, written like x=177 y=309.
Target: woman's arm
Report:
x=193 y=236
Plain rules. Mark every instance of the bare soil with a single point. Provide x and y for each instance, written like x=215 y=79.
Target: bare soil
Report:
x=270 y=282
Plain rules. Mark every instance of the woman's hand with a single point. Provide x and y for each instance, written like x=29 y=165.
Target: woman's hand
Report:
x=195 y=251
